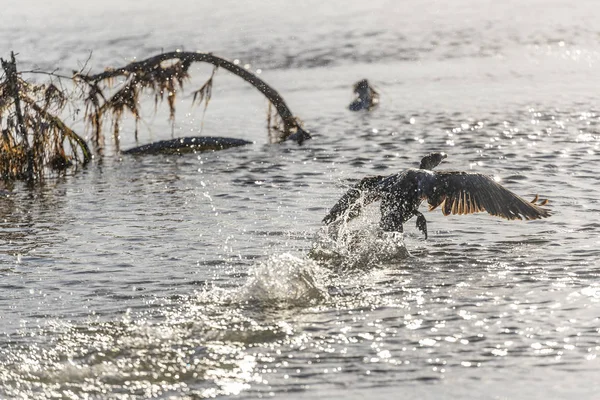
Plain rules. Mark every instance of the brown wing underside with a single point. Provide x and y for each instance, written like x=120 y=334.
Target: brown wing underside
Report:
x=467 y=193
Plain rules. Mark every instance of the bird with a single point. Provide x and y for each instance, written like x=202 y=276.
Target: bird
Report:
x=454 y=192
x=366 y=97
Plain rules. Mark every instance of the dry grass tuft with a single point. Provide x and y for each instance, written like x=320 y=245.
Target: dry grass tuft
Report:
x=34 y=140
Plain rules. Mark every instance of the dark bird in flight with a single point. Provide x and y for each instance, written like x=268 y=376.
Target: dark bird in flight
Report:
x=455 y=192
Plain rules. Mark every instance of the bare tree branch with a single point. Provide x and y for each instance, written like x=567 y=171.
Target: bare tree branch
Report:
x=291 y=126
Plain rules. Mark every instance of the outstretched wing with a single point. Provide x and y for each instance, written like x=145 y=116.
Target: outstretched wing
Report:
x=466 y=193
x=358 y=196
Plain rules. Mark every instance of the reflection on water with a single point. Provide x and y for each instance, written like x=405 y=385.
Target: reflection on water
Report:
x=210 y=275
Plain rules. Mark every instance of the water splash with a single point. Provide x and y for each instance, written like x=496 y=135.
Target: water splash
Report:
x=201 y=345
x=357 y=245
x=202 y=350
x=286 y=279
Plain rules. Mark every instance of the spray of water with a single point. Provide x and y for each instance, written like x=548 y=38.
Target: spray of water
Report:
x=202 y=344
x=286 y=279
x=357 y=244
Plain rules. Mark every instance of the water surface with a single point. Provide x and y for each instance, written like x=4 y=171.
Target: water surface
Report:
x=191 y=275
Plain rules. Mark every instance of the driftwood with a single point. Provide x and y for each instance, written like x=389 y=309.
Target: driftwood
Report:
x=366 y=97
x=188 y=145
x=164 y=75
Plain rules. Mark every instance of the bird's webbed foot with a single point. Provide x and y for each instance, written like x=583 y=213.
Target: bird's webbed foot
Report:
x=421 y=223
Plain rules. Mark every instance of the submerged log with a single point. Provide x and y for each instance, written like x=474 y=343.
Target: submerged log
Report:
x=188 y=145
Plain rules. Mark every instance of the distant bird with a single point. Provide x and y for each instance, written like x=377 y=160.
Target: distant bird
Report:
x=455 y=192
x=367 y=98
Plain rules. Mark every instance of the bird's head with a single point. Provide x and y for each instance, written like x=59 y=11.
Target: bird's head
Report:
x=361 y=86
x=432 y=160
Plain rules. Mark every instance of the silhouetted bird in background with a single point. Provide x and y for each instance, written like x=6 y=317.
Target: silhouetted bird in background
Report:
x=367 y=98
x=455 y=192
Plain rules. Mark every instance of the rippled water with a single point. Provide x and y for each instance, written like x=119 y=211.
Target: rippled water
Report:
x=209 y=275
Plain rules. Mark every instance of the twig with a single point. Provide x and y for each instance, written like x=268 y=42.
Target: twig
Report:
x=48 y=73
x=84 y=64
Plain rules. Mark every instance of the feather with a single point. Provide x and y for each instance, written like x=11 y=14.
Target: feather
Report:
x=467 y=193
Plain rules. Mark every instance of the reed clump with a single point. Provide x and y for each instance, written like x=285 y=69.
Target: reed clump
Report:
x=34 y=139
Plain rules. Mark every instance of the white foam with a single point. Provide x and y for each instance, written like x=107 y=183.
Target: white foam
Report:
x=357 y=246
x=286 y=278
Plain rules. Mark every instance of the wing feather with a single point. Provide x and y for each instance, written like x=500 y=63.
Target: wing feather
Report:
x=470 y=205
x=467 y=193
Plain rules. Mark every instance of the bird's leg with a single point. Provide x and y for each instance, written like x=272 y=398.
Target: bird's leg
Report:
x=421 y=223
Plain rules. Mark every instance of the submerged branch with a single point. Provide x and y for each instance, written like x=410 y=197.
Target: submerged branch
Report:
x=34 y=139
x=291 y=126
x=188 y=145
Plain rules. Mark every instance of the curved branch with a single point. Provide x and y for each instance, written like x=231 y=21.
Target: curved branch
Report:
x=292 y=129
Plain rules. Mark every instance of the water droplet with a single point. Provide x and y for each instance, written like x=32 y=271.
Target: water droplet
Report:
x=427 y=342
